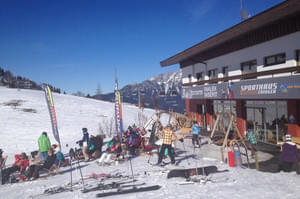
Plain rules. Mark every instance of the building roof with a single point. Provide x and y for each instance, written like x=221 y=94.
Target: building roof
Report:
x=282 y=10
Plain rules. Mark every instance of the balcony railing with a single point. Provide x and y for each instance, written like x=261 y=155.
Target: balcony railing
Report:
x=245 y=76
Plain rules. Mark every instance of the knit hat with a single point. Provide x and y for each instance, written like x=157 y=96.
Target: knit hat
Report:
x=288 y=137
x=84 y=129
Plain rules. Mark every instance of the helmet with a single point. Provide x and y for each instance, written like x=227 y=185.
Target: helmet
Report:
x=84 y=129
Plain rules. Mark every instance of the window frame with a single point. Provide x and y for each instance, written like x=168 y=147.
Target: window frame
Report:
x=276 y=59
x=298 y=57
x=200 y=74
x=250 y=68
x=190 y=78
x=225 y=71
x=215 y=72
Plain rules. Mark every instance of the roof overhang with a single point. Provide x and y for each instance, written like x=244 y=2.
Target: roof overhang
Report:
x=284 y=9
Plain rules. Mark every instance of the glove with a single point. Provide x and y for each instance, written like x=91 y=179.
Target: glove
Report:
x=181 y=140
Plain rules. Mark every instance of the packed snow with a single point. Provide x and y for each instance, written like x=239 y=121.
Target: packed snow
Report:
x=24 y=116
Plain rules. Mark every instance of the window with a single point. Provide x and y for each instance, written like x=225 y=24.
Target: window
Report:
x=213 y=74
x=298 y=57
x=225 y=71
x=199 y=76
x=274 y=59
x=248 y=67
x=190 y=77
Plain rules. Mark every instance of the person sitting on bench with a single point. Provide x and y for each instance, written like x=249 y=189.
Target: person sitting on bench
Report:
x=34 y=170
x=20 y=165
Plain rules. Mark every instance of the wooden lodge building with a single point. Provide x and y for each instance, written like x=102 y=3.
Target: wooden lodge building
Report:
x=251 y=69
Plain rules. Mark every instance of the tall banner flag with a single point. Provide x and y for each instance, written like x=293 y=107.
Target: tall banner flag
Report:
x=118 y=110
x=49 y=99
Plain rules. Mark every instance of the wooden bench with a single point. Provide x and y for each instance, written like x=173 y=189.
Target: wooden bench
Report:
x=53 y=170
x=295 y=140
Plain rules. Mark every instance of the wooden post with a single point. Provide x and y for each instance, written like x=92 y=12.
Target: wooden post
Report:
x=222 y=154
x=215 y=125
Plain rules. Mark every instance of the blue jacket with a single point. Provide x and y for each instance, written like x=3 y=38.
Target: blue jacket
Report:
x=195 y=129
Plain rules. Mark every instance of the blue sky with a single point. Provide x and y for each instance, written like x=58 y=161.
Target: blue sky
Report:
x=76 y=45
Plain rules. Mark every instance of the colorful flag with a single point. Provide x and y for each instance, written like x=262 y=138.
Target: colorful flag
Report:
x=50 y=103
x=118 y=110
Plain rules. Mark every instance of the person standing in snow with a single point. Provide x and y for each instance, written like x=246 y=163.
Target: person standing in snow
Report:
x=44 y=145
x=289 y=155
x=85 y=142
x=168 y=136
x=195 y=130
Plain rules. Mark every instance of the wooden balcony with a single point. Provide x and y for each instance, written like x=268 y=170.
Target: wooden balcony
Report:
x=245 y=76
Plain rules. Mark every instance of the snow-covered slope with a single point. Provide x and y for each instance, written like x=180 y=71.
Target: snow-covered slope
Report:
x=21 y=125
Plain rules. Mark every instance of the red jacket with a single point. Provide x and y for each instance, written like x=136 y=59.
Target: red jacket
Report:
x=22 y=163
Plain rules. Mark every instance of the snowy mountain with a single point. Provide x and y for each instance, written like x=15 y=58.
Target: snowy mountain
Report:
x=24 y=115
x=163 y=90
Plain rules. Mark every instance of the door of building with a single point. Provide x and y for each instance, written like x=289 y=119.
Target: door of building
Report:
x=256 y=122
x=201 y=110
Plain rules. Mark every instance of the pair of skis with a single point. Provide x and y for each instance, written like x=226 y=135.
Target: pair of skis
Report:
x=127 y=191
x=112 y=185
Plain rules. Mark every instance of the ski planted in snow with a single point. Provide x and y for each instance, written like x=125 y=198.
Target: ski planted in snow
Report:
x=127 y=191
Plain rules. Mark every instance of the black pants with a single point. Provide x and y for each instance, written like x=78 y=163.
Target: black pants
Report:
x=195 y=139
x=170 y=153
x=34 y=171
x=7 y=172
x=286 y=166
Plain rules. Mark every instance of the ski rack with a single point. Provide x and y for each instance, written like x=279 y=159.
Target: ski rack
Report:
x=232 y=125
x=238 y=144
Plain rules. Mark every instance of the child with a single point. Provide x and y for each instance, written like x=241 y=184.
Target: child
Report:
x=195 y=130
x=252 y=140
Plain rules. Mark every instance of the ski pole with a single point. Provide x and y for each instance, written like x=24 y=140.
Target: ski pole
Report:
x=70 y=154
x=78 y=166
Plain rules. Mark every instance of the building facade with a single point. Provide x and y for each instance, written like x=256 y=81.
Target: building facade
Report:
x=252 y=70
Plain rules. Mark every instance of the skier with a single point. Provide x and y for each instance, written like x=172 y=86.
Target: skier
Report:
x=95 y=148
x=20 y=165
x=60 y=158
x=168 y=136
x=195 y=130
x=34 y=170
x=44 y=145
x=85 y=141
x=106 y=156
x=289 y=155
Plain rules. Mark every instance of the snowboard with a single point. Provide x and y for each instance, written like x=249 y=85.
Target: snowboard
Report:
x=186 y=173
x=127 y=191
